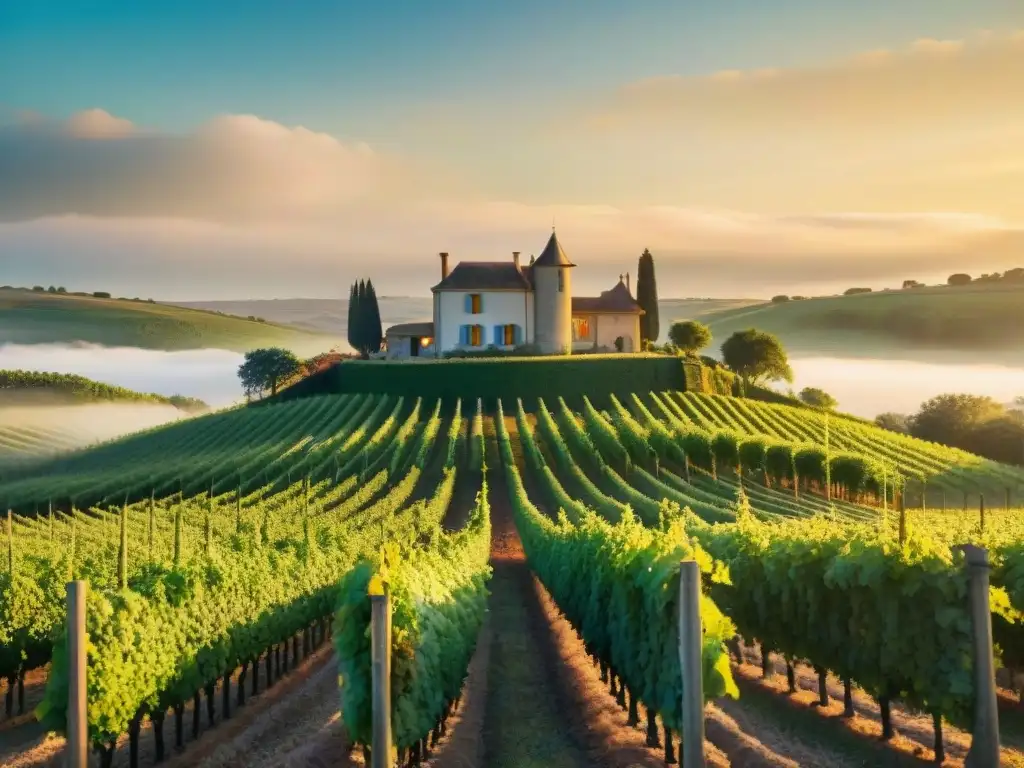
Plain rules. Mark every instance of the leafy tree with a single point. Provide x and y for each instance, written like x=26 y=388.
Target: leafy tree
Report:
x=950 y=419
x=894 y=422
x=265 y=369
x=690 y=336
x=647 y=297
x=818 y=398
x=1000 y=438
x=855 y=291
x=958 y=279
x=780 y=299
x=52 y=289
x=756 y=356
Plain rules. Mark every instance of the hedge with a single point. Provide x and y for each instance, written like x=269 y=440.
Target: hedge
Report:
x=571 y=378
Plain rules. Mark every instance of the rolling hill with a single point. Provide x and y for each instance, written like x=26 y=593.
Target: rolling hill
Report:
x=975 y=323
x=29 y=317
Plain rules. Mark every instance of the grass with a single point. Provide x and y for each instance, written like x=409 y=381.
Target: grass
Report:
x=976 y=323
x=28 y=317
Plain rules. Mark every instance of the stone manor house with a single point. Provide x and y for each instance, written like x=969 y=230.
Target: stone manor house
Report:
x=505 y=304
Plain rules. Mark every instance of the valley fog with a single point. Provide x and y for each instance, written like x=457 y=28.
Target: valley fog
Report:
x=209 y=374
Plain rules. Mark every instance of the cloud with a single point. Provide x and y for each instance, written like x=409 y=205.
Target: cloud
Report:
x=930 y=80
x=234 y=167
x=97 y=124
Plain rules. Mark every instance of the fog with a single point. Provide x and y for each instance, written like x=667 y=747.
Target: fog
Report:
x=863 y=387
x=869 y=387
x=209 y=374
x=82 y=425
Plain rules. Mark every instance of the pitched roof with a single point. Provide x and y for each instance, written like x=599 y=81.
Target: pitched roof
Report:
x=553 y=255
x=425 y=328
x=617 y=301
x=484 y=276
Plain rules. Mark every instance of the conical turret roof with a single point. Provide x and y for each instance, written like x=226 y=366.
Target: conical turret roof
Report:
x=553 y=255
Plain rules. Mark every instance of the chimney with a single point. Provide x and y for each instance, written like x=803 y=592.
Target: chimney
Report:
x=627 y=285
x=444 y=264
x=515 y=258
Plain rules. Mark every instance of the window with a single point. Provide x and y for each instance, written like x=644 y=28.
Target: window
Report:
x=474 y=304
x=581 y=329
x=476 y=333
x=561 y=280
x=510 y=335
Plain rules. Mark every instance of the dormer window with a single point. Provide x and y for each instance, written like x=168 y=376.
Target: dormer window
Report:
x=561 y=281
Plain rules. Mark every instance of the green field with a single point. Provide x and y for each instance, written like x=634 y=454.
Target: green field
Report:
x=28 y=317
x=215 y=542
x=976 y=323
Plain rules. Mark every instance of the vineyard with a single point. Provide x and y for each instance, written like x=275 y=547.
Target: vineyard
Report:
x=223 y=550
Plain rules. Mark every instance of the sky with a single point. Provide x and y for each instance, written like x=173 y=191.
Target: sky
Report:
x=258 y=149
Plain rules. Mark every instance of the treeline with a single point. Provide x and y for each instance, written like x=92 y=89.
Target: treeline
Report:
x=974 y=423
x=78 y=389
x=958 y=279
x=60 y=289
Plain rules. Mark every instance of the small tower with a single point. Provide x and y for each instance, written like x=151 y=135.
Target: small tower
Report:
x=552 y=299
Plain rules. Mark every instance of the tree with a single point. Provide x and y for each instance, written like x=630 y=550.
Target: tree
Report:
x=855 y=291
x=958 y=279
x=265 y=369
x=780 y=299
x=910 y=284
x=894 y=422
x=373 y=334
x=950 y=419
x=353 y=316
x=365 y=334
x=647 y=297
x=818 y=398
x=756 y=356
x=690 y=336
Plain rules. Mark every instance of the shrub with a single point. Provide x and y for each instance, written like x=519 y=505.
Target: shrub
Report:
x=781 y=299
x=101 y=294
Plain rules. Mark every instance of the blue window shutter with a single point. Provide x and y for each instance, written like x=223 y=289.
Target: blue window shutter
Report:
x=469 y=303
x=463 y=332
x=519 y=334
x=481 y=303
x=498 y=340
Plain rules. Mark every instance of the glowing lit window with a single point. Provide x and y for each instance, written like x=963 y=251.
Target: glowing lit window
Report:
x=580 y=328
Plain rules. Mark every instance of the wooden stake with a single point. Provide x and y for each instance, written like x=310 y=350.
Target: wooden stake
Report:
x=77 y=726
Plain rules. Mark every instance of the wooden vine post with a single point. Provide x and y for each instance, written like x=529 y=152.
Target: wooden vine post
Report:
x=77 y=726
x=691 y=637
x=380 y=648
x=984 y=751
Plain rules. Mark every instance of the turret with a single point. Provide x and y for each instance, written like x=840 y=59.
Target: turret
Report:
x=552 y=300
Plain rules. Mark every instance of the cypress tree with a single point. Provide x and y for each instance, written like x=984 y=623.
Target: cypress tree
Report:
x=647 y=298
x=360 y=318
x=353 y=314
x=373 y=330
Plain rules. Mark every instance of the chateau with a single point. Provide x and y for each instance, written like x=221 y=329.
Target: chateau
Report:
x=504 y=304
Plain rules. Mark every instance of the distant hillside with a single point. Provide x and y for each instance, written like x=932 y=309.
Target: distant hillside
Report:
x=32 y=317
x=331 y=315
x=977 y=323
x=32 y=388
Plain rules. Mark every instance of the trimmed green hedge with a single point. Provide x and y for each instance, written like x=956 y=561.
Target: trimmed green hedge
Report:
x=571 y=377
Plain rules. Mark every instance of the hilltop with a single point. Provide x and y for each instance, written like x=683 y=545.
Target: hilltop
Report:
x=34 y=317
x=23 y=388
x=981 y=323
